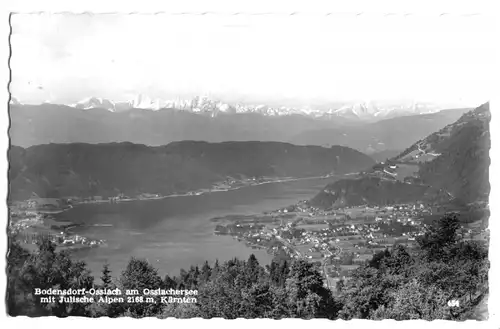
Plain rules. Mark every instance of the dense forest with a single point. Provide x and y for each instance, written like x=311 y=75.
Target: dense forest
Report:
x=398 y=284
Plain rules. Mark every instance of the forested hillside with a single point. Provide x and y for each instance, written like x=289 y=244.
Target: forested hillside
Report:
x=463 y=167
x=56 y=170
x=452 y=163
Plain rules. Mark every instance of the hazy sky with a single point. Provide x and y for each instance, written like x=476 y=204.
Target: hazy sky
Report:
x=65 y=58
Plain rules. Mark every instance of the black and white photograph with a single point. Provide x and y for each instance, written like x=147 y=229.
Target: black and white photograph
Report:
x=207 y=165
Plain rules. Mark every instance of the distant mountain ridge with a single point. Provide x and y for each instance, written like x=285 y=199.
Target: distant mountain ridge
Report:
x=79 y=169
x=49 y=123
x=139 y=102
x=450 y=164
x=389 y=134
x=365 y=111
x=370 y=110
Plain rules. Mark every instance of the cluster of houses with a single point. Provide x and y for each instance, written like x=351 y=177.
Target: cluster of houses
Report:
x=117 y=198
x=17 y=226
x=389 y=225
x=60 y=239
x=77 y=239
x=27 y=222
x=339 y=242
x=37 y=203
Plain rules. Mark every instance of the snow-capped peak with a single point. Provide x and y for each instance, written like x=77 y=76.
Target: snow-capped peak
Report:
x=144 y=102
x=367 y=110
x=95 y=102
x=378 y=110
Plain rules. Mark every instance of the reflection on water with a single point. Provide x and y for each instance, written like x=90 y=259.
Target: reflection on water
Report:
x=174 y=233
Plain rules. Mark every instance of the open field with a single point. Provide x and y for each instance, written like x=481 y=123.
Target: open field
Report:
x=405 y=170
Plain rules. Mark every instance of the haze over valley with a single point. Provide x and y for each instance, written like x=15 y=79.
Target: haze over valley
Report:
x=51 y=123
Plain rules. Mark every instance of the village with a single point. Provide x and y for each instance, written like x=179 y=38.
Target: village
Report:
x=340 y=240
x=32 y=220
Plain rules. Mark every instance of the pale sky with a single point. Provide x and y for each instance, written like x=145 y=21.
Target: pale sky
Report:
x=63 y=58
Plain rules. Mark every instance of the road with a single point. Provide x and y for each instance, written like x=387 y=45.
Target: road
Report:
x=288 y=244
x=298 y=253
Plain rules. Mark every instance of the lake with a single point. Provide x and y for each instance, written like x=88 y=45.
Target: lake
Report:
x=175 y=233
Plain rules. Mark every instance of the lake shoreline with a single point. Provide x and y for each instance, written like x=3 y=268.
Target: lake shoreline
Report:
x=178 y=232
x=203 y=192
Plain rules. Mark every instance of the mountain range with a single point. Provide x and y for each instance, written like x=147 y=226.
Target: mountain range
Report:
x=450 y=164
x=79 y=169
x=383 y=110
x=384 y=135
x=365 y=111
x=52 y=123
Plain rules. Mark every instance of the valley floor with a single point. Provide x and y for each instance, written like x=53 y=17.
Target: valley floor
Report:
x=339 y=240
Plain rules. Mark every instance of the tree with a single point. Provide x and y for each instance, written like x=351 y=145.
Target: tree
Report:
x=99 y=309
x=253 y=268
x=180 y=311
x=362 y=293
x=278 y=272
x=140 y=275
x=49 y=269
x=106 y=277
x=215 y=270
x=169 y=283
x=414 y=301
x=257 y=301
x=403 y=286
x=306 y=294
x=206 y=272
x=190 y=279
x=439 y=237
x=280 y=305
x=378 y=257
x=339 y=286
x=220 y=297
x=15 y=299
x=398 y=263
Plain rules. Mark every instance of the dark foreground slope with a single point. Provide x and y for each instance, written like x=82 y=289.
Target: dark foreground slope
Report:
x=452 y=163
x=107 y=169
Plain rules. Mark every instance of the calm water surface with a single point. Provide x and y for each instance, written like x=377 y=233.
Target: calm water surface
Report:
x=174 y=233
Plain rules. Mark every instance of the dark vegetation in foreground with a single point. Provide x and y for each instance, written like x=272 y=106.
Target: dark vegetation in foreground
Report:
x=396 y=284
